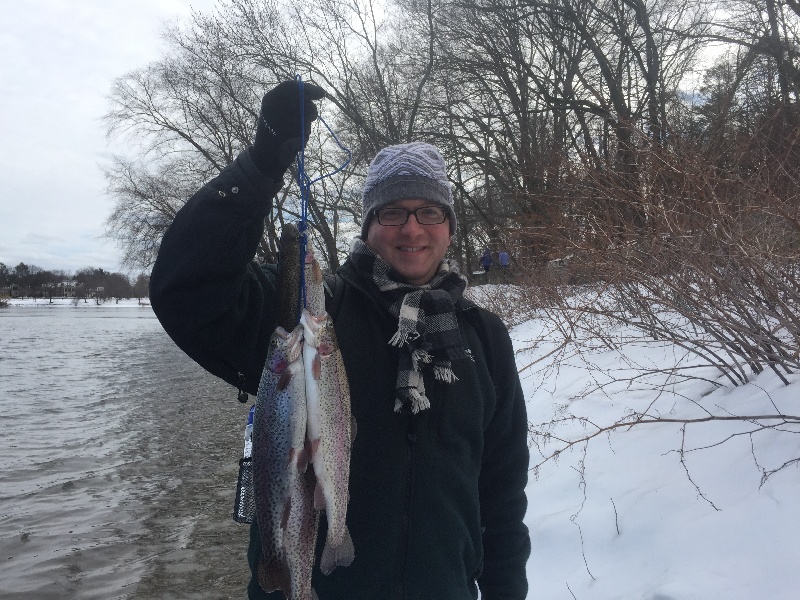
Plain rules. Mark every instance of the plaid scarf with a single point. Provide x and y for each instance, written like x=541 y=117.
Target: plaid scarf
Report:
x=427 y=327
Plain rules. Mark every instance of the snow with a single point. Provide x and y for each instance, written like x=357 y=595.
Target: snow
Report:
x=81 y=303
x=620 y=516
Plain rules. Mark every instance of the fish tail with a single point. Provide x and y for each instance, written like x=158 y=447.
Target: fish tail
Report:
x=272 y=575
x=338 y=556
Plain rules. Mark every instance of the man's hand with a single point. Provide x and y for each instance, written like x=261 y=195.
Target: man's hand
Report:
x=278 y=132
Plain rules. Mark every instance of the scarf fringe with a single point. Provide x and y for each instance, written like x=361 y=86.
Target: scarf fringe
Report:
x=444 y=373
x=420 y=357
x=402 y=336
x=418 y=401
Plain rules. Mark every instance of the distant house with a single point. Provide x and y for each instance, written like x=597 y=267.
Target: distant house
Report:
x=66 y=289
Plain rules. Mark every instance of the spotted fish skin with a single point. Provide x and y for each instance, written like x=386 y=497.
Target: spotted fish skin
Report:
x=314 y=285
x=300 y=536
x=280 y=412
x=330 y=432
x=288 y=281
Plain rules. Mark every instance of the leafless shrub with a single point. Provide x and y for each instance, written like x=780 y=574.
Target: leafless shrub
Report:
x=703 y=254
x=719 y=246
x=512 y=303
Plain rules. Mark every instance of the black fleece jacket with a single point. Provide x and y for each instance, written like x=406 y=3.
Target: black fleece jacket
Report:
x=437 y=500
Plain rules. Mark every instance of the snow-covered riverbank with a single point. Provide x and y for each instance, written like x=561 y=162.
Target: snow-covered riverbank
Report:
x=81 y=302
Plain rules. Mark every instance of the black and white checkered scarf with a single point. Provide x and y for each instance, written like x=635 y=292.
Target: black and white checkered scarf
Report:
x=427 y=327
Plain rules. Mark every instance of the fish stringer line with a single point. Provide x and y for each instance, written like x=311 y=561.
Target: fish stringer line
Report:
x=305 y=183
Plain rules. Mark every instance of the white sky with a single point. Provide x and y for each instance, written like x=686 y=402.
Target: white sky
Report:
x=58 y=60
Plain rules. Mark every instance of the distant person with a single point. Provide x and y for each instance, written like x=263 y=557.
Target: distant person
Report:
x=486 y=260
x=502 y=259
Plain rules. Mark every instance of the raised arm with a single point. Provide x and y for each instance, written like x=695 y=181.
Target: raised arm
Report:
x=212 y=299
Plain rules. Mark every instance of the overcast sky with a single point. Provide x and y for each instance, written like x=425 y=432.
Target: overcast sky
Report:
x=58 y=60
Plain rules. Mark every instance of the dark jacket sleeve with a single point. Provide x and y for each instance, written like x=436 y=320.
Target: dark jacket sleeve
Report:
x=504 y=475
x=211 y=298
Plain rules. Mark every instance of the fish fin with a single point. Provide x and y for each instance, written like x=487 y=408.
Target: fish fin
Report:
x=340 y=556
x=314 y=594
x=272 y=575
x=302 y=461
x=312 y=447
x=316 y=366
x=319 y=497
x=284 y=380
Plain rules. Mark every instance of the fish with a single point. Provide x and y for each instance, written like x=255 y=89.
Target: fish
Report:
x=289 y=273
x=330 y=429
x=314 y=285
x=279 y=442
x=300 y=536
x=280 y=456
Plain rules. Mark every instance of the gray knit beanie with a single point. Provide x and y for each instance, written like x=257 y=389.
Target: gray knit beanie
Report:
x=406 y=171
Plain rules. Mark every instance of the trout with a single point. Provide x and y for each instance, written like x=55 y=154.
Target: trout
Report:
x=289 y=265
x=314 y=285
x=279 y=427
x=300 y=536
x=279 y=432
x=330 y=428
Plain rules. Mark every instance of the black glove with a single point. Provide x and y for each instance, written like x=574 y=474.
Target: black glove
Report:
x=278 y=132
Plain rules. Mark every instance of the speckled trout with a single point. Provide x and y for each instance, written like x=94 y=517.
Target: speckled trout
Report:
x=314 y=285
x=300 y=536
x=288 y=284
x=279 y=429
x=279 y=439
x=330 y=428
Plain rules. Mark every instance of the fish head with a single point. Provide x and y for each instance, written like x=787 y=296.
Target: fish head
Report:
x=284 y=348
x=294 y=343
x=319 y=332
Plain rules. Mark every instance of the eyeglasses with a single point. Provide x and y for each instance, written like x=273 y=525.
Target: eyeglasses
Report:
x=425 y=215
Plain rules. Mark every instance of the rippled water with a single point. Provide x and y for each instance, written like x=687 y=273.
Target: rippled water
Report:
x=118 y=461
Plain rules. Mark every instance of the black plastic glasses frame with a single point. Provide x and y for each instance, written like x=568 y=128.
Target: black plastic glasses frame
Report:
x=384 y=212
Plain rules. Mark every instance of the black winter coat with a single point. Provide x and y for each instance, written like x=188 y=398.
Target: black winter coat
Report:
x=437 y=500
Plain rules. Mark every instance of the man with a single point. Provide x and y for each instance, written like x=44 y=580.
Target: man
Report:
x=503 y=259
x=439 y=462
x=486 y=260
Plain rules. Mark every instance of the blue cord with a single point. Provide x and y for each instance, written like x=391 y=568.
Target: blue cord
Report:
x=305 y=183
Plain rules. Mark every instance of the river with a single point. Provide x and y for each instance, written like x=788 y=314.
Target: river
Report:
x=118 y=461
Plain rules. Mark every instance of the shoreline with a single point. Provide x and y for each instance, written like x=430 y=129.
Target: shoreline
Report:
x=81 y=303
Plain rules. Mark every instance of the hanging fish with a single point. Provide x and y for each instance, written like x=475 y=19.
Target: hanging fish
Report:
x=300 y=536
x=288 y=284
x=279 y=432
x=330 y=425
x=280 y=458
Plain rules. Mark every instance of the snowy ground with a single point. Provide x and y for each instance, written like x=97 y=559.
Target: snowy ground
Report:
x=81 y=303
x=621 y=516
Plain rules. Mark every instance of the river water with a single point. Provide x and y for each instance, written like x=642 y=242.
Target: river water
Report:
x=118 y=461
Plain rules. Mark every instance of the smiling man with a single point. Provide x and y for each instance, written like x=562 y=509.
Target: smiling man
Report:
x=439 y=464
x=403 y=178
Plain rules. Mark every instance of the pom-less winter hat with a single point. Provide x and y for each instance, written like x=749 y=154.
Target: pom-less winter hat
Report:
x=406 y=171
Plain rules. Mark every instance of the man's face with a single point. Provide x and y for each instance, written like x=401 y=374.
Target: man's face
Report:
x=413 y=250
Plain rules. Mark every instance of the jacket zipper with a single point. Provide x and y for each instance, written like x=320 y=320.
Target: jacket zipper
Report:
x=412 y=438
